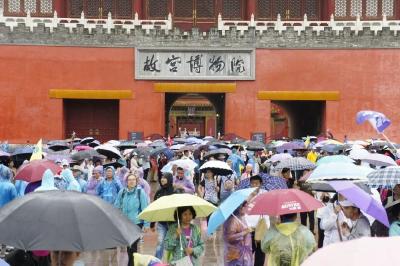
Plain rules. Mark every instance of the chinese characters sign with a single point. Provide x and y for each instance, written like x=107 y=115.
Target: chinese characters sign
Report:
x=163 y=64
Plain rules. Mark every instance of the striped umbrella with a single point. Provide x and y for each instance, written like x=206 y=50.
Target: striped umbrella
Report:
x=387 y=177
x=296 y=163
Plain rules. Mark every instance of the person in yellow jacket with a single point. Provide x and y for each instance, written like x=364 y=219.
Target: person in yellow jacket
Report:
x=288 y=243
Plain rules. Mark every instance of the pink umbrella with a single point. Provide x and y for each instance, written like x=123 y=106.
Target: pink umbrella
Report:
x=83 y=148
x=367 y=251
x=33 y=171
x=283 y=201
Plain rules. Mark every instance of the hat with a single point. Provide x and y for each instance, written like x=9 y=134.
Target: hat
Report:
x=76 y=168
x=64 y=162
x=346 y=203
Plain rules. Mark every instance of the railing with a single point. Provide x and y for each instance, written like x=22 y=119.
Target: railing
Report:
x=300 y=26
x=73 y=23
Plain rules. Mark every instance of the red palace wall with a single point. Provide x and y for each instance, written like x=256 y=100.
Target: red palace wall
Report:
x=366 y=79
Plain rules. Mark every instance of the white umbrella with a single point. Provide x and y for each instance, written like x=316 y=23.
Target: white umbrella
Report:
x=378 y=159
x=280 y=157
x=186 y=164
x=339 y=171
x=358 y=154
x=217 y=167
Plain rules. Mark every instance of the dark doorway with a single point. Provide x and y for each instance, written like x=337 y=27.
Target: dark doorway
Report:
x=304 y=118
x=92 y=118
x=197 y=114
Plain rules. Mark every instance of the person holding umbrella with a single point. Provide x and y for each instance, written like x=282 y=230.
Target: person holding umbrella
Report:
x=184 y=238
x=131 y=201
x=360 y=224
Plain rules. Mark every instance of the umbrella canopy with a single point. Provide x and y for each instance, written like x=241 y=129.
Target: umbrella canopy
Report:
x=217 y=167
x=290 y=146
x=21 y=154
x=327 y=142
x=283 y=201
x=186 y=164
x=366 y=251
x=58 y=145
x=339 y=171
x=254 y=145
x=335 y=159
x=227 y=207
x=358 y=154
x=163 y=209
x=87 y=140
x=280 y=157
x=87 y=154
x=332 y=148
x=58 y=157
x=325 y=187
x=387 y=177
x=33 y=171
x=64 y=220
x=362 y=200
x=296 y=163
x=4 y=154
x=94 y=143
x=82 y=148
x=176 y=147
x=217 y=152
x=143 y=151
x=108 y=151
x=378 y=159
x=268 y=182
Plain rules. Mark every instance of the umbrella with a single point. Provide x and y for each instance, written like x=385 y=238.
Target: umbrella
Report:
x=87 y=140
x=332 y=148
x=3 y=263
x=194 y=140
x=4 y=154
x=283 y=201
x=378 y=159
x=163 y=209
x=387 y=177
x=357 y=154
x=94 y=143
x=143 y=151
x=366 y=251
x=158 y=150
x=33 y=171
x=64 y=220
x=215 y=153
x=186 y=164
x=227 y=207
x=87 y=154
x=21 y=154
x=254 y=145
x=327 y=142
x=127 y=145
x=58 y=157
x=280 y=157
x=82 y=148
x=290 y=146
x=158 y=144
x=339 y=171
x=217 y=167
x=108 y=151
x=268 y=182
x=58 y=145
x=362 y=200
x=296 y=163
x=177 y=147
x=335 y=159
x=326 y=187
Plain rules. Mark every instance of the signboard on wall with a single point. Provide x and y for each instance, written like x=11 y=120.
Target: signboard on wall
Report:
x=194 y=64
x=135 y=135
x=258 y=136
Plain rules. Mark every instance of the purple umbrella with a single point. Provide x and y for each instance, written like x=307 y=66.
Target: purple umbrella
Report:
x=361 y=199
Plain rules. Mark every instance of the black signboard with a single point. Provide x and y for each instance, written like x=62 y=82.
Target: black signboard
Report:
x=258 y=136
x=135 y=135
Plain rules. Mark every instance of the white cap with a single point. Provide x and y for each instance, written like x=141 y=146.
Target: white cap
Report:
x=346 y=203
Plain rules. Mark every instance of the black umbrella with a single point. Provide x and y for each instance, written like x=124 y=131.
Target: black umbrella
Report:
x=58 y=145
x=87 y=140
x=87 y=154
x=94 y=143
x=127 y=145
x=217 y=152
x=108 y=151
x=325 y=187
x=20 y=155
x=64 y=220
x=254 y=145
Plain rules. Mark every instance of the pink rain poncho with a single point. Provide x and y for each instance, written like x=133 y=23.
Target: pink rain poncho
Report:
x=237 y=239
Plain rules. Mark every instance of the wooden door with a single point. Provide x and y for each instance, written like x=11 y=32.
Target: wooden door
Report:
x=194 y=13
x=92 y=118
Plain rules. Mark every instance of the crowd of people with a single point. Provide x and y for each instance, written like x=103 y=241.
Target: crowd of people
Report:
x=248 y=239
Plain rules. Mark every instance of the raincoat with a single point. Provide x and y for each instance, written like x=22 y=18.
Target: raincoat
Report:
x=238 y=249
x=394 y=229
x=20 y=186
x=237 y=162
x=173 y=246
x=82 y=183
x=92 y=183
x=108 y=190
x=72 y=183
x=288 y=244
x=47 y=182
x=132 y=202
x=7 y=189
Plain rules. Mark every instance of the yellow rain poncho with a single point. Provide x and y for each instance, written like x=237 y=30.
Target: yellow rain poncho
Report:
x=288 y=244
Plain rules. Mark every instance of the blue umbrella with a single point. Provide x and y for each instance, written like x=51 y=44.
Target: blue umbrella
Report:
x=339 y=171
x=227 y=207
x=335 y=159
x=361 y=199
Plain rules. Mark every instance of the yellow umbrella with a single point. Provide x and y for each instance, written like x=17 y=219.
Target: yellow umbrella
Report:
x=163 y=209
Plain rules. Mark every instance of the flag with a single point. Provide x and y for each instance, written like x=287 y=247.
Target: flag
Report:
x=378 y=120
x=38 y=151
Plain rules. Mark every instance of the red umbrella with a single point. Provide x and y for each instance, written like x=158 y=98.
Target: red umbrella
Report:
x=283 y=201
x=33 y=171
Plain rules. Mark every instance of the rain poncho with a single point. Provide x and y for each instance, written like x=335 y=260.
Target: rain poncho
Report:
x=288 y=244
x=238 y=249
x=132 y=202
x=394 y=229
x=93 y=182
x=72 y=183
x=20 y=186
x=173 y=246
x=237 y=162
x=108 y=190
x=82 y=183
x=47 y=182
x=7 y=189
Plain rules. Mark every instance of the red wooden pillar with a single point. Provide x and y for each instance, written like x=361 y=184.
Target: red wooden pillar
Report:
x=138 y=8
x=330 y=8
x=61 y=7
x=250 y=8
x=397 y=7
